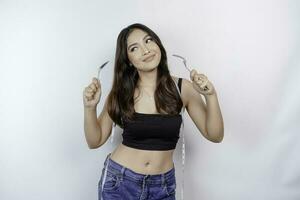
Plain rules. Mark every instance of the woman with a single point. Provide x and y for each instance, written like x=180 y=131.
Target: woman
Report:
x=147 y=102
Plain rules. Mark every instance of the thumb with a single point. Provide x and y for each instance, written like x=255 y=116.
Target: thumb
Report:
x=192 y=74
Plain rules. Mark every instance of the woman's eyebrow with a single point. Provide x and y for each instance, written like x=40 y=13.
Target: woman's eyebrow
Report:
x=136 y=43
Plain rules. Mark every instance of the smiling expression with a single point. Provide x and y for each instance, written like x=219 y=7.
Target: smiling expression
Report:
x=142 y=50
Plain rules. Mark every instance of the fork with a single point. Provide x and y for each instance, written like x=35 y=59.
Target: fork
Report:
x=184 y=62
x=101 y=67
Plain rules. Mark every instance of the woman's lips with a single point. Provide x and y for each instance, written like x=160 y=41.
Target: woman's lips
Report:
x=149 y=59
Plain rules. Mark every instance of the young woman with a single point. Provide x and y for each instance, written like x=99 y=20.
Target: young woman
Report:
x=147 y=103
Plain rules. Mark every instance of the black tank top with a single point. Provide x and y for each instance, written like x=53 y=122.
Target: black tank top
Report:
x=152 y=131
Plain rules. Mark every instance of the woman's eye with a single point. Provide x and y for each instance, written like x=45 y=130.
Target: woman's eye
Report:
x=132 y=49
x=149 y=39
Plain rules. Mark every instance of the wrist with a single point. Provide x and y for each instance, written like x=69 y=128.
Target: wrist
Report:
x=211 y=95
x=90 y=108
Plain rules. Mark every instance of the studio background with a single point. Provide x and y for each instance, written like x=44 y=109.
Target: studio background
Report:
x=249 y=50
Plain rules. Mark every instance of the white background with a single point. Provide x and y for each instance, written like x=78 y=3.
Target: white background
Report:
x=249 y=49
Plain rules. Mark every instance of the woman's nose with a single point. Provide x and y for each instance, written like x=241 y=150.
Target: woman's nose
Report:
x=145 y=50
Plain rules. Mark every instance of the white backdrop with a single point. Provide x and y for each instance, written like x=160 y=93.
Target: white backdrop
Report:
x=249 y=49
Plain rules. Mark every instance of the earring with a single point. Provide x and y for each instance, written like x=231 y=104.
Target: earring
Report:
x=130 y=64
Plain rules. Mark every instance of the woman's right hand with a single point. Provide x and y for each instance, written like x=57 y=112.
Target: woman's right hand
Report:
x=92 y=94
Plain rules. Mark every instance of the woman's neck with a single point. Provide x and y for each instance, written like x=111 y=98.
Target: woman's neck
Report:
x=147 y=79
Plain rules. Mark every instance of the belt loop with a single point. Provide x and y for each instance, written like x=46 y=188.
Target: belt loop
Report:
x=122 y=173
x=163 y=180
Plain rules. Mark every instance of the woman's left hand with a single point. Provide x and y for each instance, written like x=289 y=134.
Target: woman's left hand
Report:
x=201 y=84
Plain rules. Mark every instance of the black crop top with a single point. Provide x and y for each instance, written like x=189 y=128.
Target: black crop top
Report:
x=152 y=131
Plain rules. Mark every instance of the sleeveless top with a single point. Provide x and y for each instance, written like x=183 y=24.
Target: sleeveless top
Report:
x=159 y=132
x=152 y=131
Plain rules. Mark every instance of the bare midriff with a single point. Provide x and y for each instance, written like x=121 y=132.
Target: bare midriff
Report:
x=143 y=161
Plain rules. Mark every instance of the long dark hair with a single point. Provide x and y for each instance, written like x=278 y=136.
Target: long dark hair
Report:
x=120 y=102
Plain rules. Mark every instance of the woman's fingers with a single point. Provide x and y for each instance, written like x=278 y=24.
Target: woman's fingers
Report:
x=92 y=93
x=204 y=84
x=196 y=76
x=92 y=88
x=94 y=85
x=200 y=79
x=96 y=82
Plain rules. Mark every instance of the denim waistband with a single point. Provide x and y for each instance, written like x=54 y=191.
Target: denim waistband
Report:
x=116 y=168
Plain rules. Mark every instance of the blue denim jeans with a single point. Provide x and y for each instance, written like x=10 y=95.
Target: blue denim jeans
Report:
x=120 y=183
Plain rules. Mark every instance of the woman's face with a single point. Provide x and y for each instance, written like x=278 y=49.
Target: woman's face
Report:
x=142 y=51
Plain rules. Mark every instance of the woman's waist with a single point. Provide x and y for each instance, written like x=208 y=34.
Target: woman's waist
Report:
x=143 y=161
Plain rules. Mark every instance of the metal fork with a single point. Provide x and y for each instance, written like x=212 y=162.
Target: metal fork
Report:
x=101 y=67
x=184 y=62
